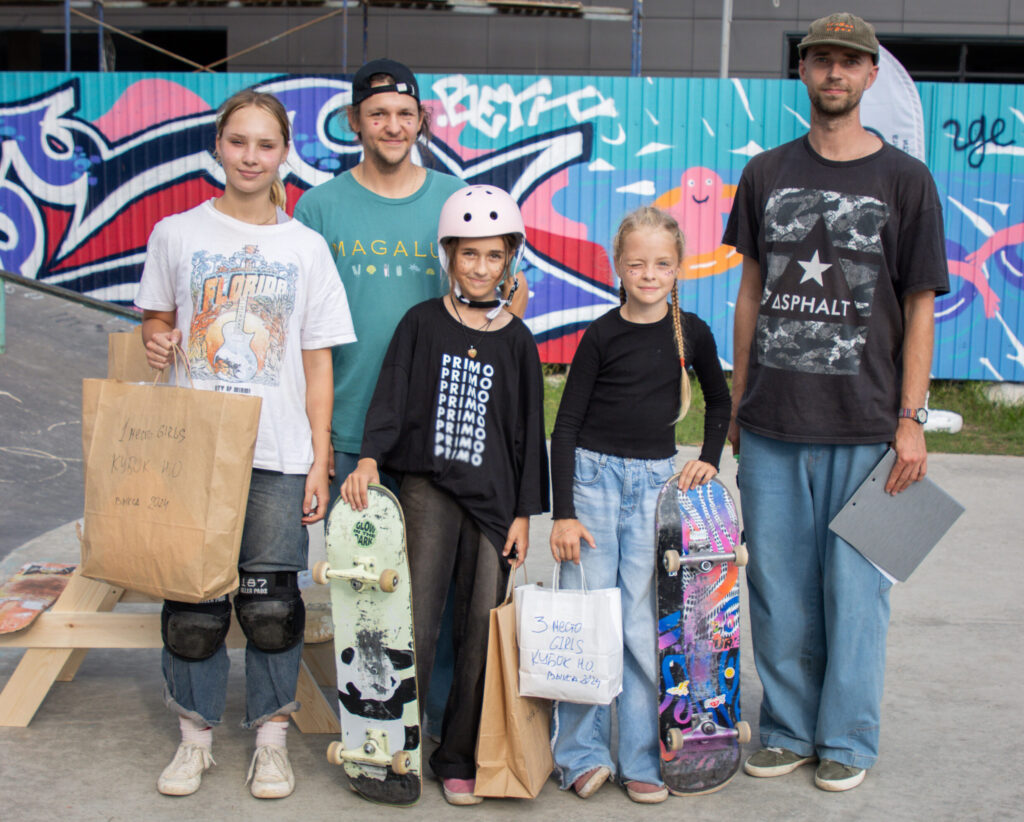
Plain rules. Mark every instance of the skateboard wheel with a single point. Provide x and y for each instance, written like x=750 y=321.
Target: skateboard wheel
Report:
x=320 y=572
x=334 y=753
x=743 y=732
x=389 y=580
x=742 y=557
x=670 y=561
x=674 y=739
x=401 y=762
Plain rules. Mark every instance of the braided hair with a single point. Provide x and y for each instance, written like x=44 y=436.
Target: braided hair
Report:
x=651 y=218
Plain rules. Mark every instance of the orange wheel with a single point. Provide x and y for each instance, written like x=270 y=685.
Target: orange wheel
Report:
x=389 y=580
x=334 y=753
x=671 y=561
x=320 y=572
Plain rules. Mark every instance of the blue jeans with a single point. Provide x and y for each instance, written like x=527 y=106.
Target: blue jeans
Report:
x=273 y=539
x=615 y=499
x=819 y=611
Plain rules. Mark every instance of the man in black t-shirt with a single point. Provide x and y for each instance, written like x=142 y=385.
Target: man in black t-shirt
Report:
x=843 y=254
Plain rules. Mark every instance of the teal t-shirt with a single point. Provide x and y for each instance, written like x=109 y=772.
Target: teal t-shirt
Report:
x=386 y=253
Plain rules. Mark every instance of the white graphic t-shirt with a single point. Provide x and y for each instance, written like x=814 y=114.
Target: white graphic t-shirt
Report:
x=249 y=298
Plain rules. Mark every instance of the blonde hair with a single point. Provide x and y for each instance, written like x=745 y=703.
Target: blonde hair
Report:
x=272 y=106
x=654 y=219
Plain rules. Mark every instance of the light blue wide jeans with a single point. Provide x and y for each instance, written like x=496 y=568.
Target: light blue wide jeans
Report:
x=615 y=499
x=273 y=539
x=819 y=611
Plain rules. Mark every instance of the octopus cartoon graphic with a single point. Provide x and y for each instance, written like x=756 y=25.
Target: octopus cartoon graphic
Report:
x=698 y=205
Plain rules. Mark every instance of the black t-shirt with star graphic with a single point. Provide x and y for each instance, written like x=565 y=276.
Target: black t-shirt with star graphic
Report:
x=839 y=244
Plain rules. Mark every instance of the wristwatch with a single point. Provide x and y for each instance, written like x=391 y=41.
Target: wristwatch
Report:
x=916 y=414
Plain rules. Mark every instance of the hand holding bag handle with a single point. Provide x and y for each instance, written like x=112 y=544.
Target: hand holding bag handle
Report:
x=570 y=642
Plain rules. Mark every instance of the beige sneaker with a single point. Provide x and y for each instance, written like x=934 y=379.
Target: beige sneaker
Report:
x=183 y=775
x=270 y=774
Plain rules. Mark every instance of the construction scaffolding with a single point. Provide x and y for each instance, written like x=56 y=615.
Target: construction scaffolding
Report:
x=333 y=8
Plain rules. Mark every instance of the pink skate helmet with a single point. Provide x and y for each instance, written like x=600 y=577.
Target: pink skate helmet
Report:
x=481 y=211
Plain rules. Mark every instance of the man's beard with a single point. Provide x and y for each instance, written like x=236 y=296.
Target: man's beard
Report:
x=832 y=108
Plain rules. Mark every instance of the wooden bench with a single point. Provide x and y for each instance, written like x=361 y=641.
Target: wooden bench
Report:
x=83 y=617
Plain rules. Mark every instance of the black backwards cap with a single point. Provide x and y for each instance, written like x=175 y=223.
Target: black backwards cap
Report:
x=405 y=80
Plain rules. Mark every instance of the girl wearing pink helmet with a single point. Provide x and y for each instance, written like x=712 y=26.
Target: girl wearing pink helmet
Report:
x=458 y=412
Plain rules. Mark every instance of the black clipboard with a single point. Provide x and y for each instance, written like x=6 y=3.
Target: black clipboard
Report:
x=895 y=532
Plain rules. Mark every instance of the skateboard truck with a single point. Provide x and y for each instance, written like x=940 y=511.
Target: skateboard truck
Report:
x=672 y=561
x=374 y=751
x=363 y=574
x=704 y=729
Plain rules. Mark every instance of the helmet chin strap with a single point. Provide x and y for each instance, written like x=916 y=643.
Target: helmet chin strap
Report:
x=496 y=304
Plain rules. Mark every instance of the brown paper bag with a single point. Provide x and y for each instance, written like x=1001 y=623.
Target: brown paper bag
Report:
x=513 y=751
x=126 y=358
x=167 y=474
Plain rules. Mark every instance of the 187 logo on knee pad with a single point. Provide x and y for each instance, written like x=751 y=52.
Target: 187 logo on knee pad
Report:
x=364 y=532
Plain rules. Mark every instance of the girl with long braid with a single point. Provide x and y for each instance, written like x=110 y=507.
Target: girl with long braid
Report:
x=612 y=449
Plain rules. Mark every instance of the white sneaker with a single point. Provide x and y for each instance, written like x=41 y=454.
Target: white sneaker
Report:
x=270 y=773
x=183 y=775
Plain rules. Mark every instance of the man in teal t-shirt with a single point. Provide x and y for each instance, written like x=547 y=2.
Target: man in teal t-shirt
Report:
x=380 y=220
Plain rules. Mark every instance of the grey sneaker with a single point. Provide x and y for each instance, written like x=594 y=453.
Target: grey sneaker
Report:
x=270 y=774
x=183 y=775
x=834 y=776
x=775 y=762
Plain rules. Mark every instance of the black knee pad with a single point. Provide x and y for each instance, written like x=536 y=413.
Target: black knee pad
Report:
x=194 y=631
x=270 y=610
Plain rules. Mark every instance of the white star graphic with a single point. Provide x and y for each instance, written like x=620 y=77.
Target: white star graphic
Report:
x=813 y=269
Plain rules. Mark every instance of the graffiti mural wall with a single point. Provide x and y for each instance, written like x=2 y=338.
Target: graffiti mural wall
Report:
x=91 y=161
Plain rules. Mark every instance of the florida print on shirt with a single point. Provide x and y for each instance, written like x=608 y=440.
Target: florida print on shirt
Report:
x=821 y=274
x=242 y=307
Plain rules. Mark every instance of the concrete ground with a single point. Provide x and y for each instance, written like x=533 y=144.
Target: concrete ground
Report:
x=952 y=714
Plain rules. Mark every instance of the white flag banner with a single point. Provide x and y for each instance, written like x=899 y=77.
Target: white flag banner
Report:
x=892 y=107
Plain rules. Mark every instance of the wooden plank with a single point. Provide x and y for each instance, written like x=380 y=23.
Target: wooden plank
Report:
x=39 y=668
x=317 y=715
x=98 y=630
x=319 y=658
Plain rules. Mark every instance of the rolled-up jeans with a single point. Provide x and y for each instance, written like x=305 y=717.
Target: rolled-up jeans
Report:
x=273 y=539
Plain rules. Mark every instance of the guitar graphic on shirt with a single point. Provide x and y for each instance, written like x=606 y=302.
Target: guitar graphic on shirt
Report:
x=235 y=356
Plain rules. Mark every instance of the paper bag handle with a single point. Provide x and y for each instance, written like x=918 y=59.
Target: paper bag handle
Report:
x=555 y=573
x=510 y=589
x=179 y=356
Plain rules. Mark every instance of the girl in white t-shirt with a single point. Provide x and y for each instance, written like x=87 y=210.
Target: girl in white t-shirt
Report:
x=254 y=300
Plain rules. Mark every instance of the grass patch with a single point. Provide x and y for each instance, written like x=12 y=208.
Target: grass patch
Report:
x=988 y=428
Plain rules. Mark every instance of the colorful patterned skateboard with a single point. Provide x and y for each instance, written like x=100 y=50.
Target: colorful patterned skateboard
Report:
x=371 y=601
x=31 y=591
x=698 y=551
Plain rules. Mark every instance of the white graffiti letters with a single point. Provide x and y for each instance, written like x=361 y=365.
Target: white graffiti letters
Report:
x=490 y=110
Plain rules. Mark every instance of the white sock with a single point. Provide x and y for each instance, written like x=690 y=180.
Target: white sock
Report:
x=272 y=733
x=194 y=733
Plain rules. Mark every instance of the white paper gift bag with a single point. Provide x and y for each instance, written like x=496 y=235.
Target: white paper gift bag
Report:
x=570 y=642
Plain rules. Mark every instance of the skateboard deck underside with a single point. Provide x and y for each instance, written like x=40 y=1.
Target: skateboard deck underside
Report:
x=698 y=639
x=31 y=591
x=374 y=648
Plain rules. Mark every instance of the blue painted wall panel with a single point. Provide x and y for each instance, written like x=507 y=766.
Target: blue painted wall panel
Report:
x=90 y=162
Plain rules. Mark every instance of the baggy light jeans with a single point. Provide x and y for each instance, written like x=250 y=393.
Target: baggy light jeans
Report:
x=273 y=539
x=819 y=611
x=615 y=499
